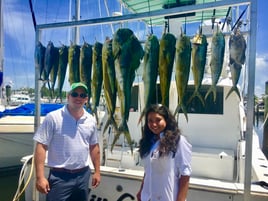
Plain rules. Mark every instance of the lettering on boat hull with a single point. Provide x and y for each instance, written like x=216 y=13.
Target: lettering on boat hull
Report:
x=124 y=196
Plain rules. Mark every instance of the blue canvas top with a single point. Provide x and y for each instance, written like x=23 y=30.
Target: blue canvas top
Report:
x=29 y=109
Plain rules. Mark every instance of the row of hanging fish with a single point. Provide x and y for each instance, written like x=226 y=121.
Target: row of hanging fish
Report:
x=111 y=66
x=191 y=55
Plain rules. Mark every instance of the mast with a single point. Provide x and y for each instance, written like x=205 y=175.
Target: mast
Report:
x=1 y=50
x=77 y=18
x=250 y=101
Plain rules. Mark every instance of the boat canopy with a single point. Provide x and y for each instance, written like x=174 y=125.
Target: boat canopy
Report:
x=141 y=6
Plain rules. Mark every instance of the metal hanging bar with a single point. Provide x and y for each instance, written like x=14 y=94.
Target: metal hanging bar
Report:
x=144 y=15
x=250 y=101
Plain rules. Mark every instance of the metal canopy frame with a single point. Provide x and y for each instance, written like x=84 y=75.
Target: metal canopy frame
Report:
x=147 y=15
x=169 y=12
x=139 y=6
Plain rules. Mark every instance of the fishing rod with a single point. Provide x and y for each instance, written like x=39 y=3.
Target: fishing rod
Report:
x=239 y=18
x=33 y=15
x=226 y=17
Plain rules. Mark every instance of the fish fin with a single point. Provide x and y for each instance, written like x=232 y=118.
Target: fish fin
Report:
x=235 y=89
x=212 y=90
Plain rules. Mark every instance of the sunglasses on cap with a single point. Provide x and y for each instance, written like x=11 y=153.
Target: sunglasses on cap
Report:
x=75 y=94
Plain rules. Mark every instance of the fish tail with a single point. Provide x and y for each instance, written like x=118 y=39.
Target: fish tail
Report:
x=199 y=96
x=123 y=128
x=116 y=137
x=129 y=140
x=184 y=110
x=49 y=88
x=235 y=89
x=177 y=109
x=126 y=135
x=212 y=90
x=110 y=121
x=95 y=114
x=142 y=115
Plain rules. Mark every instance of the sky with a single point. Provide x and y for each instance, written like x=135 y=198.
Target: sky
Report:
x=19 y=35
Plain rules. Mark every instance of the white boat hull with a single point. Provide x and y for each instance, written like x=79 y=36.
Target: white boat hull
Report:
x=16 y=139
x=218 y=158
x=119 y=184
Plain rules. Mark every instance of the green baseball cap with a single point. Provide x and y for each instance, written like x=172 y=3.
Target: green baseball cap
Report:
x=77 y=85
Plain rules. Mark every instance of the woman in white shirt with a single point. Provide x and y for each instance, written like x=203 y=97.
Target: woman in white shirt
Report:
x=166 y=155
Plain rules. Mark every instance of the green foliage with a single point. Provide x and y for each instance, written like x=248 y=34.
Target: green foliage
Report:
x=44 y=92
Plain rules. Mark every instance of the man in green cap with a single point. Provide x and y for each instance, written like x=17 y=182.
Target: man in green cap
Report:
x=68 y=135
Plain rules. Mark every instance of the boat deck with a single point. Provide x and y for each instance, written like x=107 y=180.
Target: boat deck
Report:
x=17 y=124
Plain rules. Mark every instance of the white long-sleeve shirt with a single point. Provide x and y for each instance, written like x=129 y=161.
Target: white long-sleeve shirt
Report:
x=162 y=173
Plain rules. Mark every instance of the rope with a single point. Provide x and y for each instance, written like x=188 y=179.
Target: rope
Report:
x=19 y=192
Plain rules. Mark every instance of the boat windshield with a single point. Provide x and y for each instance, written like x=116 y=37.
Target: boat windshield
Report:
x=195 y=106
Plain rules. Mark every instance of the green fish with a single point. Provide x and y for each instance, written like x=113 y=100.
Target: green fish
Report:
x=182 y=71
x=39 y=58
x=97 y=76
x=109 y=82
x=63 y=62
x=54 y=70
x=199 y=56
x=150 y=71
x=216 y=62
x=128 y=53
x=49 y=62
x=166 y=60
x=49 y=59
x=73 y=61
x=85 y=67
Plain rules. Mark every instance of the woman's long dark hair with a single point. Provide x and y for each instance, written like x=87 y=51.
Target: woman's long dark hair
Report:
x=168 y=143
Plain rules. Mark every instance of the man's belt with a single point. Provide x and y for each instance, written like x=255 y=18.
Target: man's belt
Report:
x=69 y=171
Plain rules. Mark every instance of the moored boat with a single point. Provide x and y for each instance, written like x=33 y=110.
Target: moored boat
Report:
x=16 y=132
x=217 y=135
